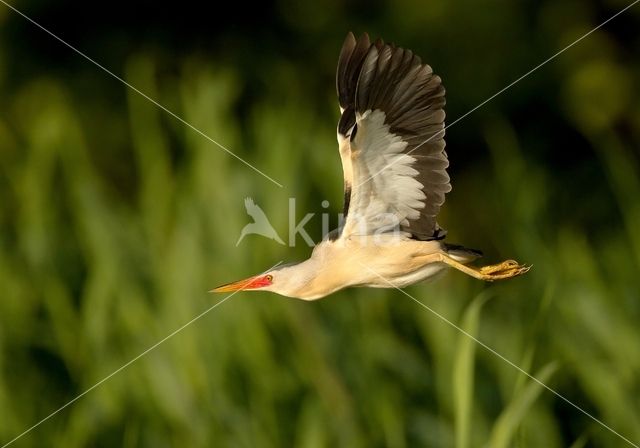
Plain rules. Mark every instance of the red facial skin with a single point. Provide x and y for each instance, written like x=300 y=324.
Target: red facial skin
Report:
x=257 y=282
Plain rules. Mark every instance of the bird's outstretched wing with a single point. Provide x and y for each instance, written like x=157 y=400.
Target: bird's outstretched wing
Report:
x=249 y=204
x=350 y=63
x=391 y=140
x=255 y=212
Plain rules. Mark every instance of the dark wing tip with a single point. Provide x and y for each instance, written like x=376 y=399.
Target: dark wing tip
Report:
x=412 y=98
x=343 y=60
x=349 y=63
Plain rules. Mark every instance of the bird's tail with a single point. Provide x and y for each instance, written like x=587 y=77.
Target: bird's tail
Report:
x=461 y=253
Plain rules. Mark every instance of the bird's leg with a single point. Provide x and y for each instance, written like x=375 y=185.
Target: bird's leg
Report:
x=500 y=271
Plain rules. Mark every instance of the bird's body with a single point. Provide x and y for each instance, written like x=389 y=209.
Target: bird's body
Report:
x=391 y=261
x=390 y=140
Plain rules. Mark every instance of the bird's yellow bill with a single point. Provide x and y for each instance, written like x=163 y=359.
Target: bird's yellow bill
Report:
x=247 y=283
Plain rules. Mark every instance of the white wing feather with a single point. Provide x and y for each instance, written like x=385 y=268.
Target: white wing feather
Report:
x=385 y=192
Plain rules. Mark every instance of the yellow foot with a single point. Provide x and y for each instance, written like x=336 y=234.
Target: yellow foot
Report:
x=498 y=267
x=500 y=271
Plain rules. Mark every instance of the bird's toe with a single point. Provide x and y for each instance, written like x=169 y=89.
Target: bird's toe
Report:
x=504 y=270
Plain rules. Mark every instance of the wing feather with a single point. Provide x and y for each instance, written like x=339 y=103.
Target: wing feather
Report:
x=350 y=62
x=391 y=139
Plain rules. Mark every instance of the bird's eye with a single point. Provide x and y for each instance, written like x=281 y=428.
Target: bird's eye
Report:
x=269 y=277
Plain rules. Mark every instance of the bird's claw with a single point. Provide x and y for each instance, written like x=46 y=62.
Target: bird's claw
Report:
x=504 y=270
x=505 y=265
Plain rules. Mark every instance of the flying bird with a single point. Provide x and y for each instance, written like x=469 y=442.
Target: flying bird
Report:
x=391 y=142
x=260 y=224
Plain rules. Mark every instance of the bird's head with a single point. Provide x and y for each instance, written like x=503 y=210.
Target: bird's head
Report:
x=262 y=282
x=287 y=280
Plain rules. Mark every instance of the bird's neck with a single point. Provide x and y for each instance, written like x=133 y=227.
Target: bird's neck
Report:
x=301 y=279
x=310 y=280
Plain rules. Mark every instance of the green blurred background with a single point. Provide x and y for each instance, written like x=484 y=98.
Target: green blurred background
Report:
x=115 y=219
